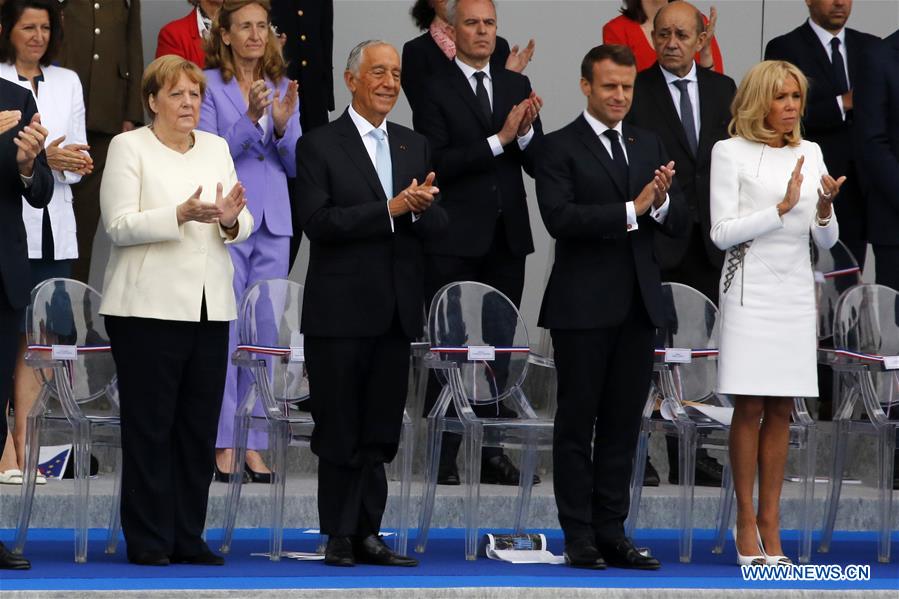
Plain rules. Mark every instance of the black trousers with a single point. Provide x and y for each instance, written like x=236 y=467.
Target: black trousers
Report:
x=603 y=379
x=886 y=263
x=502 y=270
x=171 y=380
x=10 y=323
x=358 y=391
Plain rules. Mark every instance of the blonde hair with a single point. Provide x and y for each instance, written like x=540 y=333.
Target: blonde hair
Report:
x=220 y=56
x=752 y=103
x=164 y=71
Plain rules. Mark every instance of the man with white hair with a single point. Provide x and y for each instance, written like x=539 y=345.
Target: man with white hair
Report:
x=367 y=203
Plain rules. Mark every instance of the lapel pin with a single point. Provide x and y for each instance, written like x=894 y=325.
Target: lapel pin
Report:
x=402 y=147
x=630 y=139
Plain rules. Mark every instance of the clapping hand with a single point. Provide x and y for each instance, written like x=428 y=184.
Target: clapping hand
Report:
x=230 y=205
x=518 y=59
x=520 y=118
x=416 y=198
x=827 y=193
x=282 y=108
x=72 y=158
x=195 y=209
x=9 y=119
x=706 y=58
x=794 y=186
x=258 y=99
x=532 y=108
x=30 y=142
x=655 y=192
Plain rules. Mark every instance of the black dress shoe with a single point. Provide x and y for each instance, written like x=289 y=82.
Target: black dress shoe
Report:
x=11 y=561
x=225 y=477
x=448 y=475
x=499 y=470
x=650 y=475
x=149 y=558
x=583 y=553
x=623 y=554
x=372 y=550
x=708 y=472
x=257 y=477
x=339 y=552
x=204 y=558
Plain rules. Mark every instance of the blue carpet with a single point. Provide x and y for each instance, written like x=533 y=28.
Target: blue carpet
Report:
x=442 y=566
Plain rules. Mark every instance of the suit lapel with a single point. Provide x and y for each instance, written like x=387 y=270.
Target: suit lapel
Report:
x=665 y=103
x=706 y=118
x=818 y=50
x=398 y=152
x=463 y=88
x=355 y=149
x=632 y=143
x=502 y=100
x=232 y=91
x=853 y=55
x=588 y=136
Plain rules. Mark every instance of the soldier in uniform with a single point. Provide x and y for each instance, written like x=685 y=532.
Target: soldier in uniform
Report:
x=102 y=44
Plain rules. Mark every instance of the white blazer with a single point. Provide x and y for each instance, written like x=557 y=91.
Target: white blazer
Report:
x=60 y=103
x=158 y=268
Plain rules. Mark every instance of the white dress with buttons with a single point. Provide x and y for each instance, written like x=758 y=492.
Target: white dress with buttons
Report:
x=767 y=337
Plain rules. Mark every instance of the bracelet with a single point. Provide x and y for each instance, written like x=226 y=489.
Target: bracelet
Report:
x=823 y=222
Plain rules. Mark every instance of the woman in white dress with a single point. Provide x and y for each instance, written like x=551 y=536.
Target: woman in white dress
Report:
x=769 y=191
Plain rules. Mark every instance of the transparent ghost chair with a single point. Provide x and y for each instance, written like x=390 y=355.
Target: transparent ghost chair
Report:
x=866 y=335
x=480 y=352
x=78 y=402
x=270 y=346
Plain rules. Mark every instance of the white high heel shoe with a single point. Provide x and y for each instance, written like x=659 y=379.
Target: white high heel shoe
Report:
x=772 y=560
x=749 y=560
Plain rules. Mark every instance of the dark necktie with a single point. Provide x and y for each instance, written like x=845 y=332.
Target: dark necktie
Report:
x=617 y=157
x=839 y=67
x=481 y=92
x=686 y=114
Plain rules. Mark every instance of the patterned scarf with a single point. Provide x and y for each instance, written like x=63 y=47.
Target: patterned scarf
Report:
x=439 y=30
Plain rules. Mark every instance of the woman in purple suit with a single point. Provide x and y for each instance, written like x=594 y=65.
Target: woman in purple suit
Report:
x=255 y=108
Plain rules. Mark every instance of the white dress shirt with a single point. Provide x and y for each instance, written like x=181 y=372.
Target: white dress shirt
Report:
x=692 y=90
x=825 y=36
x=495 y=146
x=658 y=214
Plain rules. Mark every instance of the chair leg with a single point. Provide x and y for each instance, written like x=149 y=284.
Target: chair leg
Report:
x=115 y=521
x=808 y=450
x=32 y=451
x=82 y=456
x=407 y=454
x=474 y=436
x=525 y=482
x=637 y=481
x=725 y=506
x=840 y=438
x=885 y=459
x=239 y=456
x=687 y=475
x=279 y=435
x=429 y=489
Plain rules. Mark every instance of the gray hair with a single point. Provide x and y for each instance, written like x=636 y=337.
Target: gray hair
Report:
x=452 y=6
x=355 y=58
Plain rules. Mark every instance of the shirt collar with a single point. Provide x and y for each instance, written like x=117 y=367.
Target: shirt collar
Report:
x=469 y=70
x=204 y=23
x=825 y=36
x=362 y=125
x=671 y=77
x=598 y=127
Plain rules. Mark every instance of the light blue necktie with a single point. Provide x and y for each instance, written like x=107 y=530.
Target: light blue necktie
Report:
x=382 y=162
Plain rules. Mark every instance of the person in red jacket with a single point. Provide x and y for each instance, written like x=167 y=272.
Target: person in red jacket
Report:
x=184 y=37
x=633 y=28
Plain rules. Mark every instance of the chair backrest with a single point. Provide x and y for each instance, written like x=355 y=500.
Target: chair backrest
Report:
x=867 y=322
x=466 y=315
x=269 y=317
x=835 y=270
x=691 y=323
x=64 y=314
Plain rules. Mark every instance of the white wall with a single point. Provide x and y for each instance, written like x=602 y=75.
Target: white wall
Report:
x=564 y=31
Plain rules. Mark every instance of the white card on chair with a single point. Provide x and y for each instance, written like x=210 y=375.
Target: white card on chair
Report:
x=678 y=355
x=64 y=352
x=481 y=352
x=297 y=351
x=891 y=362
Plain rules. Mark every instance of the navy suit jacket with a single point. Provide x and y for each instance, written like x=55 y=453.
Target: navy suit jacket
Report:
x=14 y=272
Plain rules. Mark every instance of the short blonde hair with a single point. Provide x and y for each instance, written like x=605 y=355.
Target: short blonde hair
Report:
x=752 y=103
x=220 y=56
x=166 y=70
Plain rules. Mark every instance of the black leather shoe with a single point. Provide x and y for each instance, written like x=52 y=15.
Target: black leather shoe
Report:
x=339 y=552
x=583 y=553
x=204 y=558
x=372 y=550
x=225 y=477
x=11 y=561
x=623 y=554
x=257 y=477
x=499 y=470
x=448 y=475
x=650 y=475
x=708 y=472
x=149 y=558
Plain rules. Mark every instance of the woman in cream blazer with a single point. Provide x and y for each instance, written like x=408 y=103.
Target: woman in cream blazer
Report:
x=170 y=203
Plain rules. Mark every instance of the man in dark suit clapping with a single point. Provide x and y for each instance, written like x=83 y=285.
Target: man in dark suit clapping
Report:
x=688 y=107
x=24 y=173
x=483 y=126
x=604 y=191
x=367 y=208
